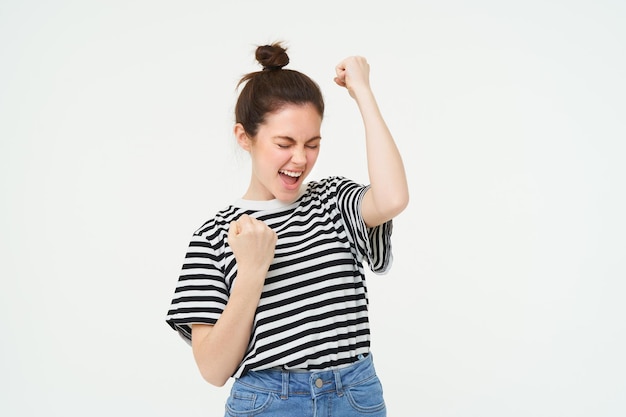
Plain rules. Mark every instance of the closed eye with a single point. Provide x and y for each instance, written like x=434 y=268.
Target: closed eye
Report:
x=285 y=142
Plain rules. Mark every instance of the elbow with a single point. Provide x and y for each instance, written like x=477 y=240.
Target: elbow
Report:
x=382 y=208
x=216 y=382
x=396 y=205
x=402 y=202
x=214 y=378
x=211 y=371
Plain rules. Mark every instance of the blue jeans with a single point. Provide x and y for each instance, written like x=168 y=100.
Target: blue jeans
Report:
x=350 y=391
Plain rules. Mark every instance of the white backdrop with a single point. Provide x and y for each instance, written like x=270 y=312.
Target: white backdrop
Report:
x=506 y=296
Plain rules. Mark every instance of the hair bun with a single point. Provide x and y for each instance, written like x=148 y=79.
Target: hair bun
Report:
x=272 y=57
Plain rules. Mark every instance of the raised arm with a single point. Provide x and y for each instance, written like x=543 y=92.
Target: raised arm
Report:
x=389 y=192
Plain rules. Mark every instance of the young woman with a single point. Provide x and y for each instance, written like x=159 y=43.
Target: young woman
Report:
x=272 y=291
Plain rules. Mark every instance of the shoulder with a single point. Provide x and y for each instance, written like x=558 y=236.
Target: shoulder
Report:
x=217 y=226
x=332 y=184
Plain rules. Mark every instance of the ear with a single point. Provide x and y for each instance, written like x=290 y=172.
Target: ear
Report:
x=242 y=137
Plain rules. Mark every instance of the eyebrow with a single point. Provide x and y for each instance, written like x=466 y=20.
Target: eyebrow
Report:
x=290 y=139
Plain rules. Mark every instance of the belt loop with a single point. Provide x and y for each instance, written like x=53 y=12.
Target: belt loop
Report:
x=285 y=392
x=338 y=385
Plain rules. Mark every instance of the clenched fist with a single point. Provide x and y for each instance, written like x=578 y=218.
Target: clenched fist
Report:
x=353 y=74
x=253 y=244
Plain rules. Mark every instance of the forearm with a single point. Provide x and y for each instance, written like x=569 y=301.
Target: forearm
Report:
x=218 y=350
x=389 y=193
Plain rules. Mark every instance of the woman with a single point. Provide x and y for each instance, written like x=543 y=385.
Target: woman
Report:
x=272 y=291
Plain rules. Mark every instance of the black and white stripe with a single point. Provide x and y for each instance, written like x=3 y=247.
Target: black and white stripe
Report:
x=313 y=310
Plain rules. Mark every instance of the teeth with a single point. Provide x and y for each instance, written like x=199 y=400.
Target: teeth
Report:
x=290 y=173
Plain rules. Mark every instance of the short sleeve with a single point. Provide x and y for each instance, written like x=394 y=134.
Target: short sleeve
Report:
x=201 y=292
x=372 y=244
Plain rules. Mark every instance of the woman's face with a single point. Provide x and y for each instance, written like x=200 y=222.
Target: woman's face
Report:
x=283 y=152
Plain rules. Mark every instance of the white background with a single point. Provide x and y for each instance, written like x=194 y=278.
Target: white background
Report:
x=507 y=293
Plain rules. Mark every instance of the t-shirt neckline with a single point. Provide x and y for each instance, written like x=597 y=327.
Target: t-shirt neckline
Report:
x=269 y=204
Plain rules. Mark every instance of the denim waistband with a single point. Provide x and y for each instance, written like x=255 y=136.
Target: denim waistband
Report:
x=310 y=383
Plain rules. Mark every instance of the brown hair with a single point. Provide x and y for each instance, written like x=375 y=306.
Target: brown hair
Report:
x=268 y=90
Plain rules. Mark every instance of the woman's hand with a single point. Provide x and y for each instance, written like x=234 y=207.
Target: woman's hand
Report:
x=353 y=74
x=253 y=244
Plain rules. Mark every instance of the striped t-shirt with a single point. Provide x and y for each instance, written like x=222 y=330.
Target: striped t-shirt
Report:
x=313 y=309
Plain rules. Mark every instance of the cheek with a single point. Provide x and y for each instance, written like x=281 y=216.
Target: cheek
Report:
x=270 y=156
x=312 y=155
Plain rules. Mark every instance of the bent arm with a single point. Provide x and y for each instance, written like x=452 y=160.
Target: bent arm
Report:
x=219 y=349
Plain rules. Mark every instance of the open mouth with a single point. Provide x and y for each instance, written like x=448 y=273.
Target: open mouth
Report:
x=290 y=177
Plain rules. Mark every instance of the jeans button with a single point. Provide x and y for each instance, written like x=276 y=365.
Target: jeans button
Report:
x=319 y=383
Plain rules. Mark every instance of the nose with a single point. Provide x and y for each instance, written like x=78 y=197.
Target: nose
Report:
x=299 y=156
